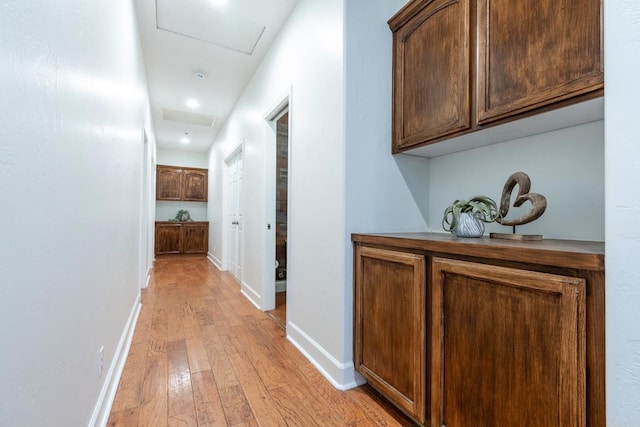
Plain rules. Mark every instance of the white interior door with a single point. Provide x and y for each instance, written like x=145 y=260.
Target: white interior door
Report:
x=239 y=220
x=234 y=215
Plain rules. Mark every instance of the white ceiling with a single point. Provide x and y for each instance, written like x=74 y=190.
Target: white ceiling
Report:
x=184 y=38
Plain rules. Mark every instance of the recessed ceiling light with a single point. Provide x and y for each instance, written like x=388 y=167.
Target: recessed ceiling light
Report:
x=184 y=139
x=218 y=2
x=192 y=103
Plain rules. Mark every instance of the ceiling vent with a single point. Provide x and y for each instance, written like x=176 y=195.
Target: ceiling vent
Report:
x=187 y=117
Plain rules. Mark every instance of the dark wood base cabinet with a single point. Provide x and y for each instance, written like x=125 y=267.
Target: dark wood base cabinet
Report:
x=481 y=332
x=181 y=237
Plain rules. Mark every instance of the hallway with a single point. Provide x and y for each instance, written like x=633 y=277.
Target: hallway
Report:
x=202 y=355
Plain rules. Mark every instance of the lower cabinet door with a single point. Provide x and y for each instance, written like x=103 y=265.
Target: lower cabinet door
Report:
x=508 y=347
x=168 y=239
x=195 y=238
x=390 y=330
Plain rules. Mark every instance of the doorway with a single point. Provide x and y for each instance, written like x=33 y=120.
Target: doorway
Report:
x=278 y=288
x=233 y=217
x=145 y=220
x=281 y=216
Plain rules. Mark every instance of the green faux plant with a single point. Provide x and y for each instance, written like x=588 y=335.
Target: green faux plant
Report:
x=482 y=207
x=182 y=215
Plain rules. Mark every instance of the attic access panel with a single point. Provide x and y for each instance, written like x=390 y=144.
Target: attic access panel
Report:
x=199 y=20
x=188 y=117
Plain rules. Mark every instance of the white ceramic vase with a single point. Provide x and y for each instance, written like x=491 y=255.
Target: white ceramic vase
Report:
x=468 y=226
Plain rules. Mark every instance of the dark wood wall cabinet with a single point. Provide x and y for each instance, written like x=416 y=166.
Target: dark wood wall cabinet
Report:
x=477 y=332
x=463 y=65
x=179 y=183
x=182 y=237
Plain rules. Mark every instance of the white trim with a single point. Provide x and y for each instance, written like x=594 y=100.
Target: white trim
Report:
x=342 y=376
x=215 y=261
x=251 y=295
x=103 y=406
x=237 y=149
x=146 y=283
x=279 y=107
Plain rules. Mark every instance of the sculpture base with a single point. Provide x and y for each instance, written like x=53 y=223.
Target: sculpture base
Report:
x=516 y=236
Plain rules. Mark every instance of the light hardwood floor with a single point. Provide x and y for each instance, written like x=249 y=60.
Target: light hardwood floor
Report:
x=279 y=314
x=202 y=355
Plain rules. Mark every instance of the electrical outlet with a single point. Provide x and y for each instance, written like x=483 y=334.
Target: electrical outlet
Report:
x=100 y=361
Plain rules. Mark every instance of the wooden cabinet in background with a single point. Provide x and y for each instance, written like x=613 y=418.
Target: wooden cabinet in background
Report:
x=390 y=318
x=463 y=65
x=195 y=237
x=194 y=185
x=168 y=183
x=498 y=333
x=184 y=184
x=181 y=237
x=168 y=238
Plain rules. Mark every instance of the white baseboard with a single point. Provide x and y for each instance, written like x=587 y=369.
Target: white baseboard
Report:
x=215 y=261
x=342 y=376
x=146 y=284
x=100 y=415
x=251 y=295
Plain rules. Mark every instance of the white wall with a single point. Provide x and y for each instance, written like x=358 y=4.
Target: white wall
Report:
x=190 y=159
x=167 y=209
x=622 y=172
x=566 y=166
x=384 y=193
x=71 y=155
x=307 y=57
x=338 y=184
x=148 y=201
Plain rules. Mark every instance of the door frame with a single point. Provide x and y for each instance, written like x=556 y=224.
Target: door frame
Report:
x=280 y=106
x=147 y=211
x=226 y=204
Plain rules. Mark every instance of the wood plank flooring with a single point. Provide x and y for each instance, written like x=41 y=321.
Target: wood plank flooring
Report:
x=279 y=314
x=202 y=355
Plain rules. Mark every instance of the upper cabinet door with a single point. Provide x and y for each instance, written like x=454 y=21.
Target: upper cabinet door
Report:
x=178 y=183
x=532 y=53
x=168 y=183
x=194 y=185
x=431 y=69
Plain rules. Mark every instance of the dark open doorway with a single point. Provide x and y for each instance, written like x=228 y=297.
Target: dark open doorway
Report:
x=282 y=183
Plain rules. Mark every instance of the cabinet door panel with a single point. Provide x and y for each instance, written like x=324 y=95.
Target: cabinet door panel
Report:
x=508 y=346
x=168 y=239
x=390 y=332
x=168 y=183
x=536 y=52
x=195 y=238
x=431 y=74
x=194 y=186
